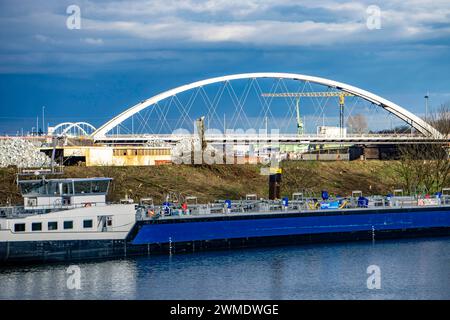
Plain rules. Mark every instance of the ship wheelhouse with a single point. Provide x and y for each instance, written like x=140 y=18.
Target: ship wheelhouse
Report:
x=47 y=194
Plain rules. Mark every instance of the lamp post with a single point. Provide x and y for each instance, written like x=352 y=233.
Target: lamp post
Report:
x=426 y=106
x=43 y=122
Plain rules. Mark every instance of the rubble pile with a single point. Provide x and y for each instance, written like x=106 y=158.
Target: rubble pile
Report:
x=21 y=153
x=182 y=152
x=157 y=143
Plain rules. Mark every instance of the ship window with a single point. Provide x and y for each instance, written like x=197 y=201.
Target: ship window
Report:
x=67 y=188
x=68 y=224
x=52 y=188
x=100 y=186
x=36 y=226
x=92 y=186
x=82 y=187
x=53 y=225
x=19 y=227
x=32 y=187
x=87 y=224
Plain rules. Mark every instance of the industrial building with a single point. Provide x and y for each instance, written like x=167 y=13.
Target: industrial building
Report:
x=111 y=155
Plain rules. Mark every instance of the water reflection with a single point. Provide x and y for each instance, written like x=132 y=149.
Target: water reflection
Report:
x=410 y=269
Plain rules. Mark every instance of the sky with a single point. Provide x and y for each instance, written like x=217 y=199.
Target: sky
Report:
x=127 y=51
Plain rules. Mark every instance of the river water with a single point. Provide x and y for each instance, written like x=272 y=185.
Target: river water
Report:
x=404 y=269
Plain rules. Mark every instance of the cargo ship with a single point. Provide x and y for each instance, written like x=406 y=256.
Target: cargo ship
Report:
x=70 y=219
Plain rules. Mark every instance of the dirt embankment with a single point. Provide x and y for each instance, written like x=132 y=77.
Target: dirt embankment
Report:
x=226 y=181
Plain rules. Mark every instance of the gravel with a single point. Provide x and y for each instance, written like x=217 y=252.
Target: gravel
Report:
x=157 y=143
x=21 y=153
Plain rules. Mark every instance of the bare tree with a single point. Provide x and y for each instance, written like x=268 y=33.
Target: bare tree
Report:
x=426 y=168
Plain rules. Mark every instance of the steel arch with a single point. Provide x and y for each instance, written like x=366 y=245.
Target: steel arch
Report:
x=413 y=120
x=71 y=125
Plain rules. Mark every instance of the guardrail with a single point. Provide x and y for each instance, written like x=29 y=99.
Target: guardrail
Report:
x=294 y=138
x=275 y=206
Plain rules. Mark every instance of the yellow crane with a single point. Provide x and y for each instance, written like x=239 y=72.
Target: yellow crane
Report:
x=297 y=95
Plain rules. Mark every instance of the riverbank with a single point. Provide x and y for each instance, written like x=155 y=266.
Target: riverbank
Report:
x=229 y=181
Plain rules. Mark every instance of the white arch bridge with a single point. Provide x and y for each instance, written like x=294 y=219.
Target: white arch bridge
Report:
x=239 y=103
x=74 y=129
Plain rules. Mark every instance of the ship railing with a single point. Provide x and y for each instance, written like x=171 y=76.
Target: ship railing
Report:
x=40 y=171
x=12 y=211
x=445 y=199
x=61 y=206
x=275 y=206
x=377 y=202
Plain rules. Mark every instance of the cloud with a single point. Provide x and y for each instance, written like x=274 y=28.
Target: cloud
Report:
x=254 y=22
x=41 y=38
x=116 y=28
x=263 y=32
x=93 y=41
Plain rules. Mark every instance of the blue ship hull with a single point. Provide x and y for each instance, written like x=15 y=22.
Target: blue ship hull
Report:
x=360 y=222
x=181 y=234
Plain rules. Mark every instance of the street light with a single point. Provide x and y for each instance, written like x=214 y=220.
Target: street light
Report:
x=426 y=105
x=43 y=122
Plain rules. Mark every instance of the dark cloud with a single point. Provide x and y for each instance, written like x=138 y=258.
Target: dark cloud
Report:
x=128 y=50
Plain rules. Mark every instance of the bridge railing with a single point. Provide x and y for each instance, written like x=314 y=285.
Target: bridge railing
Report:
x=269 y=136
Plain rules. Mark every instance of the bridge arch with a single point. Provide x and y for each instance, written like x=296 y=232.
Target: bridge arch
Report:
x=67 y=126
x=416 y=122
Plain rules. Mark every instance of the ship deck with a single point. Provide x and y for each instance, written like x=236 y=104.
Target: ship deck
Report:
x=290 y=212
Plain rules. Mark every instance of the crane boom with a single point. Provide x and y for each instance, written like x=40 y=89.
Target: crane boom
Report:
x=297 y=95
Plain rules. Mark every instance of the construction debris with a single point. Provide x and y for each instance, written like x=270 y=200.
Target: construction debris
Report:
x=22 y=154
x=190 y=151
x=157 y=143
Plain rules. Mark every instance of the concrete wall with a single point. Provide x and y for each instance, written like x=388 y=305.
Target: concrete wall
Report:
x=99 y=156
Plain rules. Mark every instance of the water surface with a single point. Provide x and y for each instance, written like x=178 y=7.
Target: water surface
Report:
x=410 y=269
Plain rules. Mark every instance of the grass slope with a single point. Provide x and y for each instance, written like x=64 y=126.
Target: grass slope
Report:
x=227 y=181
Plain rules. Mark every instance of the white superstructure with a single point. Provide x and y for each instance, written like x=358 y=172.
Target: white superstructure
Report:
x=66 y=209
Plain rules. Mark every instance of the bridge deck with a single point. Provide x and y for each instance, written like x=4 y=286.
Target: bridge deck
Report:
x=281 y=138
